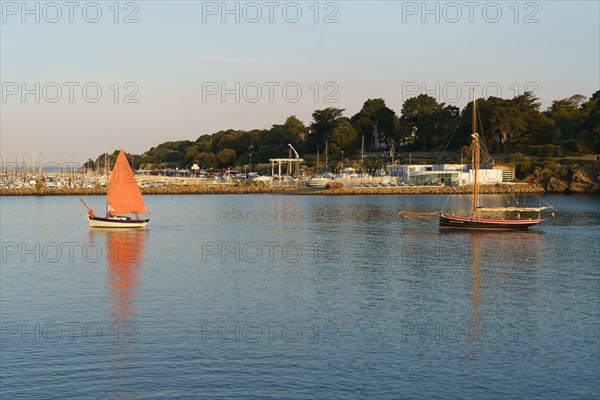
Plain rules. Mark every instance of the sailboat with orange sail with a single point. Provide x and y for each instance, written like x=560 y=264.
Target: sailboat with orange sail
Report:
x=123 y=197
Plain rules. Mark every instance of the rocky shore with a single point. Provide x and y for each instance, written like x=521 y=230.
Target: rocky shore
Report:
x=485 y=189
x=566 y=179
x=175 y=189
x=259 y=189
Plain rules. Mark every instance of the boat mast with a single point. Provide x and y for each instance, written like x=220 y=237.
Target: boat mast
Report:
x=317 y=172
x=107 y=179
x=475 y=153
x=362 y=152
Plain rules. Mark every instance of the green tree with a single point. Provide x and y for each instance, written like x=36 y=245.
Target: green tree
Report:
x=588 y=138
x=238 y=140
x=226 y=157
x=528 y=108
x=344 y=137
x=296 y=130
x=191 y=155
x=89 y=164
x=378 y=123
x=567 y=115
x=322 y=127
x=207 y=160
x=266 y=152
x=291 y=132
x=429 y=120
x=508 y=125
x=204 y=143
x=543 y=130
x=502 y=119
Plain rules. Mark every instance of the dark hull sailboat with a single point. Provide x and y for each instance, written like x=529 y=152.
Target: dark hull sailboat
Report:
x=477 y=220
x=455 y=222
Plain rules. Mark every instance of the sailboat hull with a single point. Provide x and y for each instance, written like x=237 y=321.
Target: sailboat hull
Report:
x=454 y=222
x=97 y=222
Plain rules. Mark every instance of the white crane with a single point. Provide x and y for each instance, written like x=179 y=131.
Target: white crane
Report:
x=294 y=150
x=289 y=160
x=297 y=159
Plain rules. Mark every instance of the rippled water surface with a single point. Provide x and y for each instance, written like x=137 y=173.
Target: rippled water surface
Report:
x=300 y=297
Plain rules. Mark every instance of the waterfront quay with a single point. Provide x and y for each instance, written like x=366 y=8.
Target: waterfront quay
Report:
x=86 y=184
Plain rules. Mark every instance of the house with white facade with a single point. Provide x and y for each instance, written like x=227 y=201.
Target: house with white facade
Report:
x=450 y=174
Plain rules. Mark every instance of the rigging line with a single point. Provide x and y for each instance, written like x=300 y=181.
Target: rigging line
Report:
x=541 y=200
x=535 y=196
x=450 y=139
x=480 y=121
x=486 y=152
x=446 y=202
x=469 y=151
x=497 y=197
x=482 y=134
x=410 y=199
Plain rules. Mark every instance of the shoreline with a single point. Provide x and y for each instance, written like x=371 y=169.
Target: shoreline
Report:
x=442 y=190
x=292 y=190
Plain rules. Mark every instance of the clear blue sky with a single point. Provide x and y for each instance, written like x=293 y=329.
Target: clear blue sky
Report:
x=177 y=50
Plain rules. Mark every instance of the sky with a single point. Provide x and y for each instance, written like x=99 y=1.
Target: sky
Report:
x=81 y=78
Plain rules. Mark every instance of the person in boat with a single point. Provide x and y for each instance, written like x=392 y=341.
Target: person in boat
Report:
x=91 y=213
x=116 y=216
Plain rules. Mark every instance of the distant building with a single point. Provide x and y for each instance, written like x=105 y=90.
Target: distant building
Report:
x=450 y=174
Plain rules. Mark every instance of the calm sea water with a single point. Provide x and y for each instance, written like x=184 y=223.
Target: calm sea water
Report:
x=299 y=297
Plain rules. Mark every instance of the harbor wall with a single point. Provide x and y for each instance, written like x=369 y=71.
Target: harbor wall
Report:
x=258 y=189
x=484 y=189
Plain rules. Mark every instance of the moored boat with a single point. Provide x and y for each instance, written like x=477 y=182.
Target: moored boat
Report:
x=477 y=219
x=456 y=222
x=317 y=182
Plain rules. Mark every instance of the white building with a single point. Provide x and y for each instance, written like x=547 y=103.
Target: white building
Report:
x=450 y=174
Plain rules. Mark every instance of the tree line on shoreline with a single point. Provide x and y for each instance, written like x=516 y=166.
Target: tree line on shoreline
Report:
x=568 y=126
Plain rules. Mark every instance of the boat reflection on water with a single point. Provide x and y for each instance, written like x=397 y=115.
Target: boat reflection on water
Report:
x=475 y=288
x=125 y=250
x=124 y=256
x=499 y=261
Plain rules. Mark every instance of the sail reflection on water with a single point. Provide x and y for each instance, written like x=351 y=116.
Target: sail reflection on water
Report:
x=125 y=250
x=125 y=259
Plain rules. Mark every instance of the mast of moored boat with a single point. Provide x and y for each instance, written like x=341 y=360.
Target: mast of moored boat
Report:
x=362 y=153
x=475 y=154
x=317 y=172
x=326 y=156
x=107 y=168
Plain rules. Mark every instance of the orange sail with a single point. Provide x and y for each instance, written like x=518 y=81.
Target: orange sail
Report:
x=124 y=196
